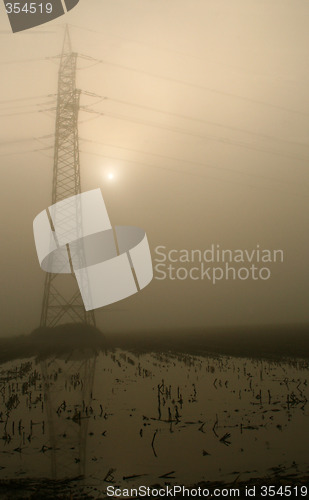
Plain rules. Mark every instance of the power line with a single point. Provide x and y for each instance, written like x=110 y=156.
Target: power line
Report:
x=166 y=78
x=154 y=46
x=186 y=117
x=199 y=164
x=38 y=150
x=28 y=98
x=26 y=112
x=228 y=142
x=20 y=61
x=195 y=174
x=26 y=139
x=32 y=105
x=194 y=85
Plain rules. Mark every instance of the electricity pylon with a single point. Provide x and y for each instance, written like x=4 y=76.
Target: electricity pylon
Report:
x=62 y=302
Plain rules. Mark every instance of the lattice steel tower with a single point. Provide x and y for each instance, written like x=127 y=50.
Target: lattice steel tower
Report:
x=62 y=302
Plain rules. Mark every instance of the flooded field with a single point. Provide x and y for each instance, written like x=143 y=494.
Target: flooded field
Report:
x=132 y=419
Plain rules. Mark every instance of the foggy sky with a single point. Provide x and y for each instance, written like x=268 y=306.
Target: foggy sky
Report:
x=209 y=145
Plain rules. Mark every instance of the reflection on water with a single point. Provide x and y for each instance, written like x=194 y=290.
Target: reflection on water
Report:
x=152 y=418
